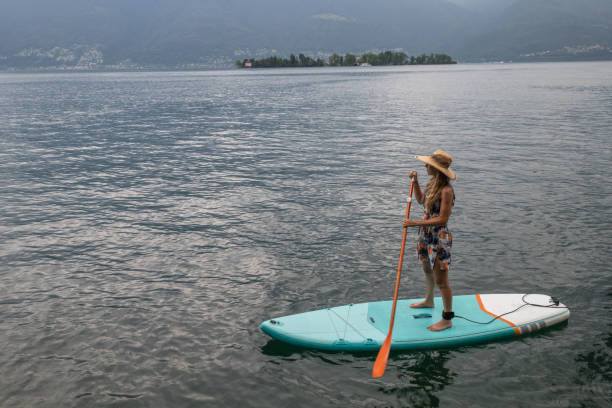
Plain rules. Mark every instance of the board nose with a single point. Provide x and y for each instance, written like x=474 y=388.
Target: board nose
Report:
x=266 y=327
x=270 y=326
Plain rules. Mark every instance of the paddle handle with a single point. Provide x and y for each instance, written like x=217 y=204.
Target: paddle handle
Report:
x=383 y=354
x=401 y=259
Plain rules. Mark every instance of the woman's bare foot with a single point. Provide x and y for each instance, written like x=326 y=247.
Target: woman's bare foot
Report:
x=441 y=325
x=422 y=305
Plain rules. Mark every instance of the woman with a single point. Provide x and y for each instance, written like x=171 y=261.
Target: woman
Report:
x=435 y=240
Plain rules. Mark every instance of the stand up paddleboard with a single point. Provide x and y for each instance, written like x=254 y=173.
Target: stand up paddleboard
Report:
x=364 y=326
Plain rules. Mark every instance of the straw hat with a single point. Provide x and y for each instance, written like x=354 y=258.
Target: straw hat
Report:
x=441 y=161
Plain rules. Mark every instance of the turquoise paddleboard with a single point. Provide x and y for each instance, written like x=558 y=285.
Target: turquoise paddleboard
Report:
x=364 y=326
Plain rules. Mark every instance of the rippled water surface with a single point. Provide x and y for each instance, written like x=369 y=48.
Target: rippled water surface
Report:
x=150 y=221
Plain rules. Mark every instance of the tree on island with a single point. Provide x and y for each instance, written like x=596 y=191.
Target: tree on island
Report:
x=350 y=60
x=335 y=60
x=274 y=61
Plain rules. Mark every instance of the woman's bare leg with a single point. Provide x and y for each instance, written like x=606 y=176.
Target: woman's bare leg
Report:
x=441 y=280
x=429 y=288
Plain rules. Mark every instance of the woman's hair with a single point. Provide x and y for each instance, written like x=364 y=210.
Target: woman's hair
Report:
x=434 y=188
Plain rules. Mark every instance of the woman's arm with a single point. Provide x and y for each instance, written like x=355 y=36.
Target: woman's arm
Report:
x=418 y=194
x=446 y=204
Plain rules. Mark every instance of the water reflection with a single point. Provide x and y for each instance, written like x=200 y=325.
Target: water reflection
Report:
x=277 y=348
x=413 y=379
x=421 y=377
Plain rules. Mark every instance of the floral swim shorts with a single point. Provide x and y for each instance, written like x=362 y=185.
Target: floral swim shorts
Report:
x=435 y=241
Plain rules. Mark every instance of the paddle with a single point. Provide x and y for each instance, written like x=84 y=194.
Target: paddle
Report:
x=383 y=354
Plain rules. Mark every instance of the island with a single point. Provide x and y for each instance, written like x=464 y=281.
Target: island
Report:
x=335 y=60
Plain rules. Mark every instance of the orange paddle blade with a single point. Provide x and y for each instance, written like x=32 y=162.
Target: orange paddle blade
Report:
x=381 y=360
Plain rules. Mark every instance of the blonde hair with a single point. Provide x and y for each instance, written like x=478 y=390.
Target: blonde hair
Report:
x=434 y=187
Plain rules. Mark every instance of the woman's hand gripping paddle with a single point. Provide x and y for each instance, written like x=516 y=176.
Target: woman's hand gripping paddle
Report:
x=383 y=354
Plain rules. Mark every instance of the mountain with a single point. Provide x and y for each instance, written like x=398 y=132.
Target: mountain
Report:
x=544 y=29
x=193 y=26
x=172 y=33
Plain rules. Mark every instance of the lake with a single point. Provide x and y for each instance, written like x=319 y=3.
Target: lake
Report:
x=152 y=220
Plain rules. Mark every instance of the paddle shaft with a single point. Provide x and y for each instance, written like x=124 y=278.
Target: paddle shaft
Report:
x=383 y=354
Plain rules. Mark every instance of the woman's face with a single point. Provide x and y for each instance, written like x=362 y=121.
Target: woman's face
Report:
x=430 y=169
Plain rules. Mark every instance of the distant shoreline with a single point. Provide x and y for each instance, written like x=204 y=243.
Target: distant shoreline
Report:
x=232 y=67
x=384 y=58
